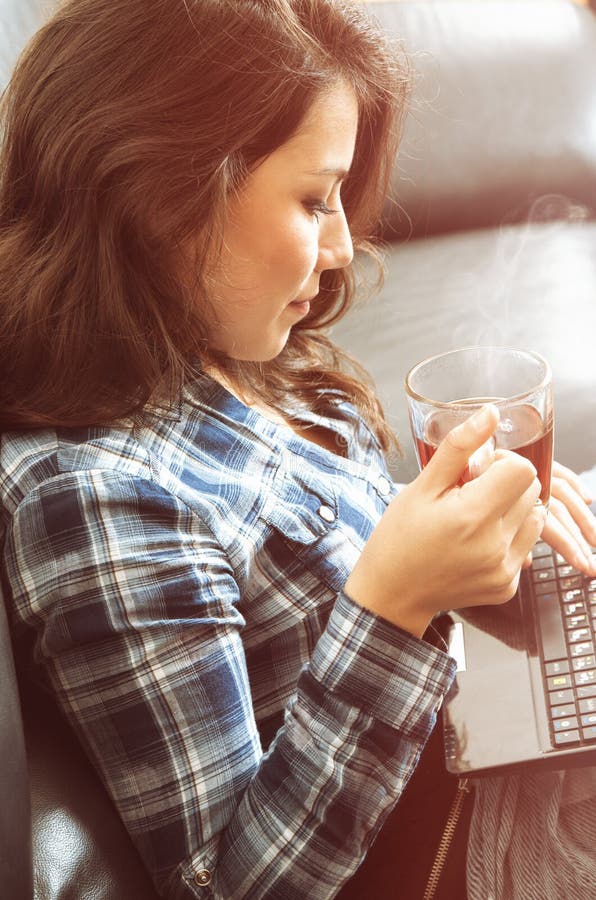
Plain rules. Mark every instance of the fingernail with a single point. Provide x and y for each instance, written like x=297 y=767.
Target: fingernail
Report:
x=482 y=418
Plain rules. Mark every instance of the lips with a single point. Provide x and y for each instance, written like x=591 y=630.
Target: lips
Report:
x=301 y=300
x=301 y=306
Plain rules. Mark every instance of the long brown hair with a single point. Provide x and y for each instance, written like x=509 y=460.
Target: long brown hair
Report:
x=126 y=126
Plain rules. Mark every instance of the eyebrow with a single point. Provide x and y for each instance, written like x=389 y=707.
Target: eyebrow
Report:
x=340 y=174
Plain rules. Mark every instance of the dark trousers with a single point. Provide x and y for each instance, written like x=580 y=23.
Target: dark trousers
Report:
x=398 y=863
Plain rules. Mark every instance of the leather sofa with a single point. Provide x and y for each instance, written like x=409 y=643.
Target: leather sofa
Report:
x=491 y=238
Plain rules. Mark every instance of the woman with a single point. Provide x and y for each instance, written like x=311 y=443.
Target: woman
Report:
x=227 y=596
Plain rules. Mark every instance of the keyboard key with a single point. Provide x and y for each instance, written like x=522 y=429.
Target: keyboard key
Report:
x=558 y=682
x=582 y=649
x=565 y=724
x=577 y=606
x=589 y=719
x=541 y=549
x=555 y=697
x=588 y=690
x=571 y=583
x=551 y=631
x=566 y=570
x=545 y=587
x=576 y=621
x=560 y=667
x=583 y=662
x=558 y=712
x=589 y=734
x=587 y=677
x=566 y=737
x=542 y=562
x=579 y=634
x=588 y=705
x=540 y=575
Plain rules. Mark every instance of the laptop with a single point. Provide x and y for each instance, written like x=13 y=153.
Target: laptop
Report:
x=525 y=690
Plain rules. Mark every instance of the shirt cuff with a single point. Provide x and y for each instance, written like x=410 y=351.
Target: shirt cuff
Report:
x=387 y=672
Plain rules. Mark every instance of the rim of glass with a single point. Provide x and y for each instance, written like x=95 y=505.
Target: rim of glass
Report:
x=546 y=379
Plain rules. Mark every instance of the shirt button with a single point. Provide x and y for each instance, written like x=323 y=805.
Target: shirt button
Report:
x=326 y=513
x=383 y=485
x=203 y=877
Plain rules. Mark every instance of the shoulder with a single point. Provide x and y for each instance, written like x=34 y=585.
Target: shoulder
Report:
x=29 y=459
x=199 y=465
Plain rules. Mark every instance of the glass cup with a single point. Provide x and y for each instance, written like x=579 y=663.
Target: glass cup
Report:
x=444 y=390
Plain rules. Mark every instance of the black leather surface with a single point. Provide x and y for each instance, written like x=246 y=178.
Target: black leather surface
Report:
x=80 y=847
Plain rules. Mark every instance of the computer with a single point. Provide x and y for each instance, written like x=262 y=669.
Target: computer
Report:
x=525 y=689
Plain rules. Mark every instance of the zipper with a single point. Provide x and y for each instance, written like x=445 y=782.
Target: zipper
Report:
x=455 y=810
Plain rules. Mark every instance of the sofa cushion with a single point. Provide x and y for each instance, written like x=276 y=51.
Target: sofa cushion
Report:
x=503 y=112
x=531 y=286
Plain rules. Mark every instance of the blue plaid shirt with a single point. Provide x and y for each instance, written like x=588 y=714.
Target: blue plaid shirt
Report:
x=184 y=583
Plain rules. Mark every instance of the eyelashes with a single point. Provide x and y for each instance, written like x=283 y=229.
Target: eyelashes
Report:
x=319 y=207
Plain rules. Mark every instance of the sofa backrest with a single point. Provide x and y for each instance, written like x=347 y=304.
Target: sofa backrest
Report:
x=19 y=19
x=502 y=126
x=506 y=86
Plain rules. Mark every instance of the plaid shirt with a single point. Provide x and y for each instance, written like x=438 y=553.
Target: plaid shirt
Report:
x=184 y=583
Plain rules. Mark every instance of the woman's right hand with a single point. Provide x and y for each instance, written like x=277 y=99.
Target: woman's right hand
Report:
x=439 y=546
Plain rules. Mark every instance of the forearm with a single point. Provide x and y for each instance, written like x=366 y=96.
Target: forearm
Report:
x=364 y=709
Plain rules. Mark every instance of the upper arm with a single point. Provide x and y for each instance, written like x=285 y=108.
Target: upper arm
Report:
x=134 y=603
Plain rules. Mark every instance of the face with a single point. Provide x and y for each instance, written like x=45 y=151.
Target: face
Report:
x=285 y=227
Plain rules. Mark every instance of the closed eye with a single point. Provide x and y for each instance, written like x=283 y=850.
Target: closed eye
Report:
x=316 y=207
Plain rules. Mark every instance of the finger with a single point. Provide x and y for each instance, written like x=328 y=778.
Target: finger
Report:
x=574 y=480
x=563 y=541
x=451 y=458
x=527 y=535
x=562 y=514
x=527 y=561
x=504 y=482
x=581 y=514
x=521 y=508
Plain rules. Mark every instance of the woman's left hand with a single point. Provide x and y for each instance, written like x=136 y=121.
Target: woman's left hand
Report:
x=570 y=525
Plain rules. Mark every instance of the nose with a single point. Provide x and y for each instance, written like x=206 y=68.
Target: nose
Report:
x=335 y=243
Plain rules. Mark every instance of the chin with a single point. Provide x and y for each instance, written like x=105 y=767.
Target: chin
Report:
x=260 y=354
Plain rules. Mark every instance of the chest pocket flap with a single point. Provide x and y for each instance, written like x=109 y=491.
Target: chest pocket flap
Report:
x=300 y=511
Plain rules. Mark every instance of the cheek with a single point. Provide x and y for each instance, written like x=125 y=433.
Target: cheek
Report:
x=296 y=249
x=275 y=246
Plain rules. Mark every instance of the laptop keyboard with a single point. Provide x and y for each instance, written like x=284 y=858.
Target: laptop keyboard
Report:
x=565 y=606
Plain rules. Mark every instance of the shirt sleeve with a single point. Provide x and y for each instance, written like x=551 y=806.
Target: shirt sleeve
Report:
x=135 y=607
